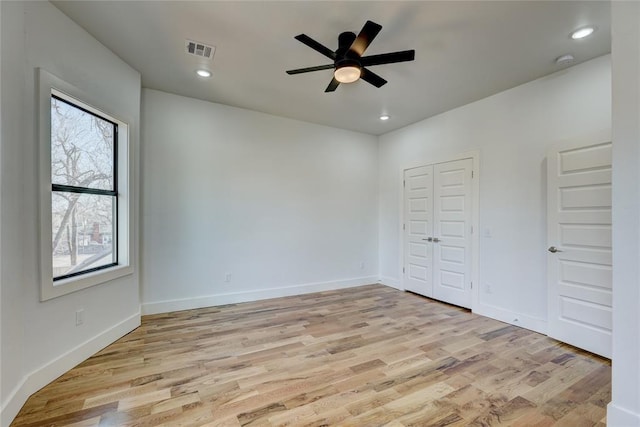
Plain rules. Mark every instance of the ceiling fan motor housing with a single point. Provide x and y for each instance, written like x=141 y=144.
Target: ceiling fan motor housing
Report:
x=347 y=62
x=345 y=40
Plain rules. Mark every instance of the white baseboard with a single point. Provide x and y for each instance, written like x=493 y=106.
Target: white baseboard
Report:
x=392 y=282
x=620 y=417
x=42 y=376
x=156 y=307
x=513 y=318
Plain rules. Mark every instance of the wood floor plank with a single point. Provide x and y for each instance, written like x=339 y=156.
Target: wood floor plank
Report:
x=364 y=356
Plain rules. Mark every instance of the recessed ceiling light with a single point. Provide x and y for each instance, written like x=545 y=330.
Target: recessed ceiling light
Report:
x=384 y=117
x=203 y=73
x=583 y=32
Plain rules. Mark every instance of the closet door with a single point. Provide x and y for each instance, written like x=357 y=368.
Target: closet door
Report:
x=437 y=231
x=452 y=198
x=418 y=227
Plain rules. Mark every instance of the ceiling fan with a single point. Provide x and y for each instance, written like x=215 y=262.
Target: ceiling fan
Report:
x=348 y=62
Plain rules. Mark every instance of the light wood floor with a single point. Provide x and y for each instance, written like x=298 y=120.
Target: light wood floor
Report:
x=366 y=356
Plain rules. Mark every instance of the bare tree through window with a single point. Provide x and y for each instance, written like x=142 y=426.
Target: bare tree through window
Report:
x=83 y=177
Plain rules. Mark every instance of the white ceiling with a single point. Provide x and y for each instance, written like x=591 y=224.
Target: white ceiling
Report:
x=465 y=51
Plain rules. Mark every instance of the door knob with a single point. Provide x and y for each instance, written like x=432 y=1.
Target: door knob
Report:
x=436 y=240
x=553 y=249
x=428 y=239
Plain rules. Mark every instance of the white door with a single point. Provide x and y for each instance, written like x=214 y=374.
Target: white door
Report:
x=418 y=226
x=452 y=232
x=437 y=231
x=579 y=240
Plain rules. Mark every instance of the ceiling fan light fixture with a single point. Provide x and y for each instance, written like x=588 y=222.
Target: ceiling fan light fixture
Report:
x=347 y=73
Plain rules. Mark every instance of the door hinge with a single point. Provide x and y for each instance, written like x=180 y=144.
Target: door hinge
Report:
x=471 y=174
x=402 y=270
x=471 y=285
x=403 y=226
x=404 y=183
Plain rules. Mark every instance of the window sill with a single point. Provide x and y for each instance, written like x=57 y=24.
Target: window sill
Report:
x=62 y=287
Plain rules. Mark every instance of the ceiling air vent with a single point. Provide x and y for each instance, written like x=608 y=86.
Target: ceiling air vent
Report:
x=200 y=49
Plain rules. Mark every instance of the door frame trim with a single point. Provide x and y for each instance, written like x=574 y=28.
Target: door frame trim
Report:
x=475 y=215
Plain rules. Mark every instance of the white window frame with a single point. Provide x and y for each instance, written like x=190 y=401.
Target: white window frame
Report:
x=52 y=85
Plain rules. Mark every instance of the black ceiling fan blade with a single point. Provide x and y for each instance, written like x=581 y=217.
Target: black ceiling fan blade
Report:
x=366 y=36
x=333 y=85
x=316 y=46
x=388 y=58
x=373 y=78
x=310 y=69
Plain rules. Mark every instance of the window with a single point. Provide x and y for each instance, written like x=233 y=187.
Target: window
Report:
x=85 y=190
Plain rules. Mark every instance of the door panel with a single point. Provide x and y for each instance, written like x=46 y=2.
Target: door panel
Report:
x=585 y=159
x=418 y=225
x=579 y=226
x=588 y=196
x=452 y=228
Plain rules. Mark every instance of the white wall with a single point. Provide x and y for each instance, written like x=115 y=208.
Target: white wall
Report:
x=1 y=139
x=39 y=339
x=11 y=267
x=512 y=131
x=624 y=409
x=284 y=206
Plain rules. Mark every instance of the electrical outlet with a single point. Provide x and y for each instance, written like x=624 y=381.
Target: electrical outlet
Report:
x=487 y=288
x=80 y=317
x=362 y=265
x=227 y=277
